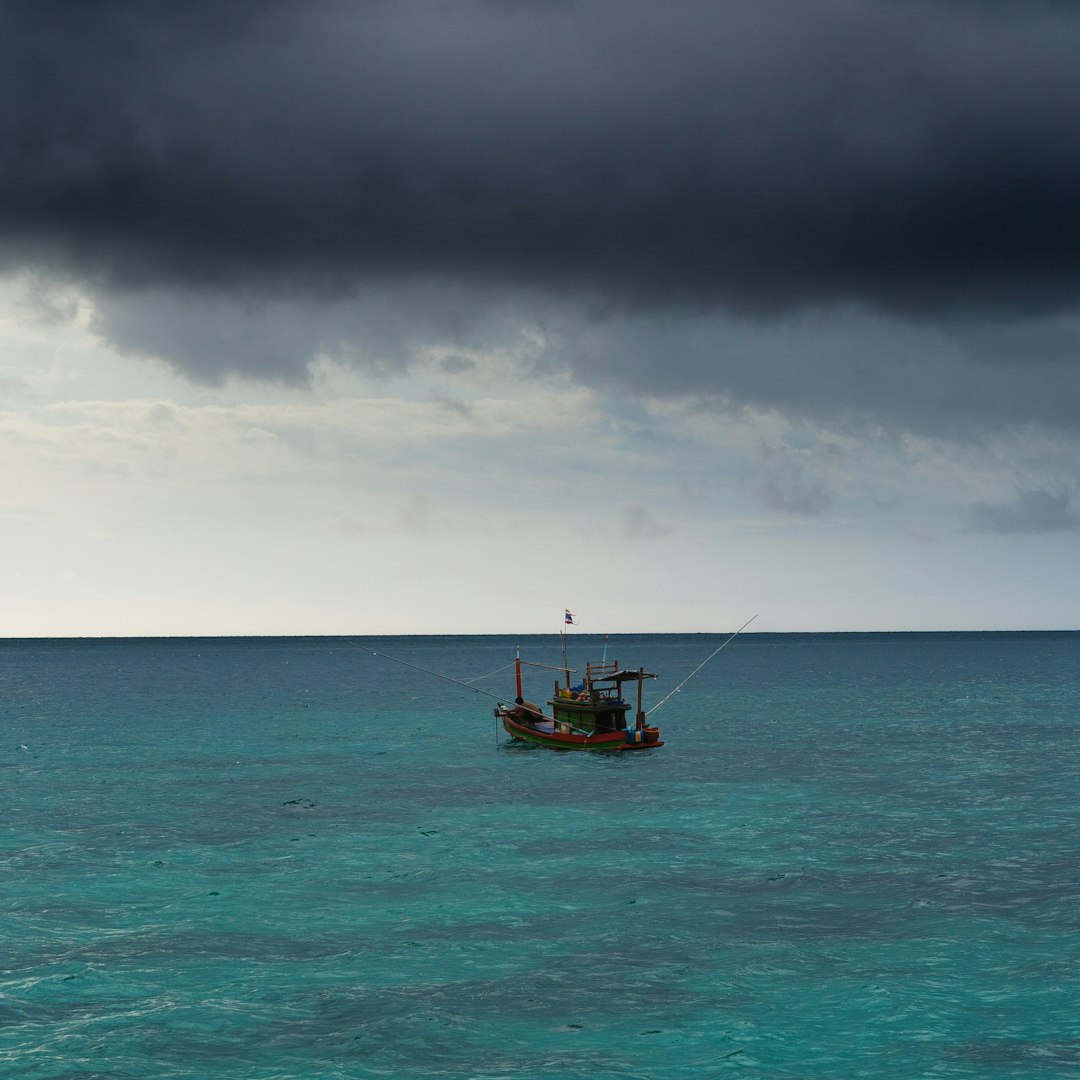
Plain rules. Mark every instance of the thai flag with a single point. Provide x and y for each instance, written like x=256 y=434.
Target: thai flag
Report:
x=569 y=620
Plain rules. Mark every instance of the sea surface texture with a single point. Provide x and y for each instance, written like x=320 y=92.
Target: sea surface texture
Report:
x=855 y=856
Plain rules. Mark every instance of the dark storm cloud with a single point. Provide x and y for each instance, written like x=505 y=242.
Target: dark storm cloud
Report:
x=760 y=154
x=911 y=160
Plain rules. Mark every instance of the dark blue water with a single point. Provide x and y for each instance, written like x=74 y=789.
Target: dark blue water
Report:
x=855 y=856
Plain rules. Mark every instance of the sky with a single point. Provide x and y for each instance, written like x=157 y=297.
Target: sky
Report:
x=442 y=316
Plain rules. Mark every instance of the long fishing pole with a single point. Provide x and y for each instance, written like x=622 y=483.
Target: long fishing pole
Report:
x=479 y=678
x=701 y=665
x=426 y=671
x=436 y=674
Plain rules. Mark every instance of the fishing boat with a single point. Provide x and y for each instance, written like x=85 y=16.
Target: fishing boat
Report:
x=593 y=715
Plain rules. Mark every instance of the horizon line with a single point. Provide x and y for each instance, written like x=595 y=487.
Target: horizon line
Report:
x=522 y=633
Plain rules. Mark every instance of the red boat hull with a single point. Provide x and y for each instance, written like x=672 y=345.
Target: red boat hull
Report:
x=608 y=741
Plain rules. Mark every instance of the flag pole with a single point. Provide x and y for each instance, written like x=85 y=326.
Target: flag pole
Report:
x=568 y=618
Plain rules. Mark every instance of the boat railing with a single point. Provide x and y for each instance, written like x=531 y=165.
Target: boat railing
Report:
x=601 y=670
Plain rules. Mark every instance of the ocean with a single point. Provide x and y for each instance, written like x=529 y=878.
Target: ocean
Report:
x=857 y=855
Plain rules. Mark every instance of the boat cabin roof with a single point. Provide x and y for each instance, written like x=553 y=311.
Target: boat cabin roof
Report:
x=625 y=675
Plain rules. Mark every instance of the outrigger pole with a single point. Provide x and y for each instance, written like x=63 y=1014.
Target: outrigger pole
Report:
x=700 y=666
x=426 y=671
x=446 y=678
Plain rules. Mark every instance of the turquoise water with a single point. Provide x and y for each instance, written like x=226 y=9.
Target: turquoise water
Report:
x=855 y=856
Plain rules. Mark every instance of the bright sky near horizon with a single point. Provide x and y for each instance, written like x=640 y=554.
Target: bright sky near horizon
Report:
x=709 y=311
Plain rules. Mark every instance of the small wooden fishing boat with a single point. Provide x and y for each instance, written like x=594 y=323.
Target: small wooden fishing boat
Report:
x=590 y=716
x=593 y=715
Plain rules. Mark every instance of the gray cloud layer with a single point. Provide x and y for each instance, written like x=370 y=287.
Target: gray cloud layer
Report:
x=915 y=163
x=1032 y=511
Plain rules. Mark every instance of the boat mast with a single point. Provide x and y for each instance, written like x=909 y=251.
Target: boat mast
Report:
x=640 y=718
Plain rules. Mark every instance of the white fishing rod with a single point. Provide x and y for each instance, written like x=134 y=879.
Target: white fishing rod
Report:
x=662 y=701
